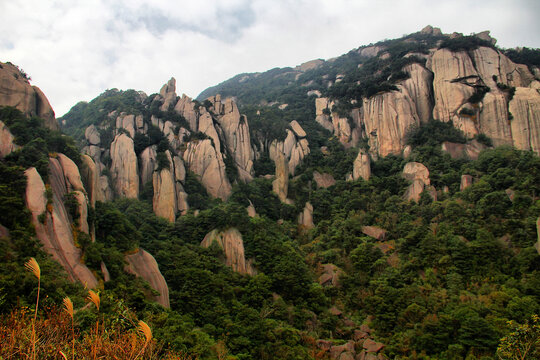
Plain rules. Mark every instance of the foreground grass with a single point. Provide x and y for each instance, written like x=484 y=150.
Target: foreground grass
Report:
x=54 y=339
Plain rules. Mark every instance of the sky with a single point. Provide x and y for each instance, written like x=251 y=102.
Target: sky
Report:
x=74 y=50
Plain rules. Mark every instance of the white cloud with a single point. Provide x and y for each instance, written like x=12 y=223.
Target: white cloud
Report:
x=74 y=50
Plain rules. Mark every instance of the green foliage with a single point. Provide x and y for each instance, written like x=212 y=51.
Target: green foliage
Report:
x=36 y=141
x=464 y=43
x=434 y=133
x=527 y=56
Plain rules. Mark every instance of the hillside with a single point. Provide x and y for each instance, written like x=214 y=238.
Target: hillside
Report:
x=382 y=204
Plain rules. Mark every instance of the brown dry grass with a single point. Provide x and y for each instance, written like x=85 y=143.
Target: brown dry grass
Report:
x=54 y=335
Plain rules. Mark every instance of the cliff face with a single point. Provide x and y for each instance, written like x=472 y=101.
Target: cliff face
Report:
x=16 y=91
x=51 y=220
x=143 y=264
x=471 y=89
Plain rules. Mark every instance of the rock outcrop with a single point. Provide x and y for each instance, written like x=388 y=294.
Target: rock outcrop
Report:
x=374 y=232
x=466 y=181
x=295 y=147
x=525 y=108
x=305 y=219
x=280 y=185
x=537 y=245
x=330 y=274
x=232 y=244
x=7 y=141
x=467 y=151
x=16 y=91
x=52 y=221
x=236 y=133
x=418 y=174
x=323 y=180
x=169 y=194
x=361 y=166
x=144 y=265
x=203 y=159
x=124 y=168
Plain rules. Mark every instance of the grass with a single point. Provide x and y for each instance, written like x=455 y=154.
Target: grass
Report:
x=24 y=335
x=55 y=334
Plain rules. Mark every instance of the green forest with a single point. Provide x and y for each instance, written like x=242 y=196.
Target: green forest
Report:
x=450 y=279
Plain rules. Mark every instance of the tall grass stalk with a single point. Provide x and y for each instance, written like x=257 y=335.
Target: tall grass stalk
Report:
x=147 y=333
x=94 y=298
x=68 y=308
x=33 y=266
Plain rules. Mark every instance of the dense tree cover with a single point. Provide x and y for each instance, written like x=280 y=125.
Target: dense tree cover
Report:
x=84 y=114
x=527 y=56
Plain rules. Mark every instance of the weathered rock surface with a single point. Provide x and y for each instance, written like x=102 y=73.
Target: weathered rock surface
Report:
x=54 y=232
x=148 y=160
x=7 y=144
x=330 y=275
x=305 y=218
x=419 y=88
x=361 y=166
x=374 y=232
x=16 y=91
x=323 y=180
x=164 y=202
x=89 y=177
x=203 y=159
x=294 y=147
x=387 y=117
x=237 y=138
x=525 y=107
x=280 y=185
x=468 y=151
x=466 y=181
x=168 y=92
x=419 y=175
x=124 y=168
x=232 y=244
x=92 y=135
x=144 y=265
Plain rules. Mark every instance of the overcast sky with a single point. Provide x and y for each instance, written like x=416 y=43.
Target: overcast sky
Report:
x=75 y=49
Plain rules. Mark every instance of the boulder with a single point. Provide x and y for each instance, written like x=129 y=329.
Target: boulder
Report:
x=92 y=135
x=203 y=159
x=251 y=210
x=414 y=190
x=374 y=232
x=416 y=171
x=372 y=346
x=16 y=91
x=124 y=168
x=330 y=275
x=143 y=264
x=7 y=141
x=298 y=131
x=463 y=151
x=231 y=242
x=343 y=352
x=466 y=181
x=323 y=180
x=361 y=166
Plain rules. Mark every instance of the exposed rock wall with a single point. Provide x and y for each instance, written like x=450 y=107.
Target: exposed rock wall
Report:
x=295 y=147
x=203 y=159
x=53 y=224
x=525 y=107
x=16 y=91
x=7 y=144
x=144 y=265
x=361 y=166
x=232 y=244
x=124 y=168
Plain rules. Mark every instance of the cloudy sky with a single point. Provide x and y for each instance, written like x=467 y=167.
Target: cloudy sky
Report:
x=75 y=49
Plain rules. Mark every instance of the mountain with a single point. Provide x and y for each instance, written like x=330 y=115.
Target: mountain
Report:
x=380 y=204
